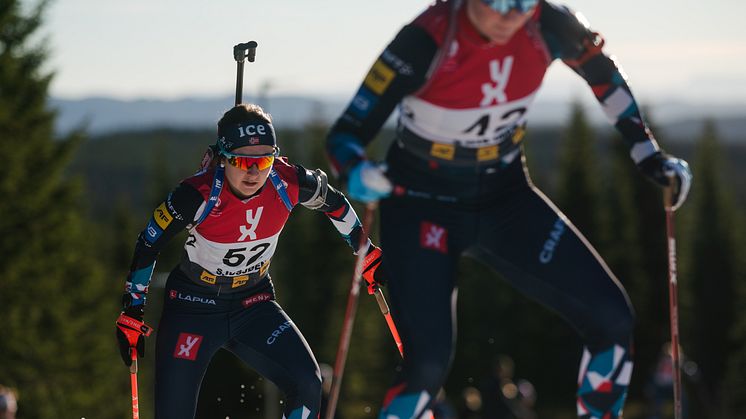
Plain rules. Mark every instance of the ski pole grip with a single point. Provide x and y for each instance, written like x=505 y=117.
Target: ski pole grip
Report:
x=133 y=366
x=668 y=192
x=381 y=302
x=245 y=50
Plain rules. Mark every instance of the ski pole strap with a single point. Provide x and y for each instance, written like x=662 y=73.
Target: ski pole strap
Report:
x=217 y=186
x=281 y=189
x=130 y=325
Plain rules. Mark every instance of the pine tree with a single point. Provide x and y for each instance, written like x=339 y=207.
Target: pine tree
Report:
x=712 y=270
x=578 y=189
x=735 y=380
x=57 y=342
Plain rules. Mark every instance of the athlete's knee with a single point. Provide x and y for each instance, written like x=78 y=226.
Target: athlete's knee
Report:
x=174 y=405
x=611 y=320
x=307 y=389
x=619 y=324
x=428 y=372
x=625 y=323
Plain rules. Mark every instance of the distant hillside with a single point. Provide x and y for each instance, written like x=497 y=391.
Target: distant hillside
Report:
x=137 y=168
x=105 y=115
x=681 y=121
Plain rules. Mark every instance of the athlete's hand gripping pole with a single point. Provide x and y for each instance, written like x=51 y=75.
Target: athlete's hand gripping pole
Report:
x=349 y=319
x=673 y=309
x=240 y=52
x=131 y=333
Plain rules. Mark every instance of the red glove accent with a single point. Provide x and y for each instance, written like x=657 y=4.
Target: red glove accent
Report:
x=132 y=328
x=370 y=267
x=131 y=333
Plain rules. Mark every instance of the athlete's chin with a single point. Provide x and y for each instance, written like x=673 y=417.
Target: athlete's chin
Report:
x=249 y=188
x=501 y=34
x=500 y=38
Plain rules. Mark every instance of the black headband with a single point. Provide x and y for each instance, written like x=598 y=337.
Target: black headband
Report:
x=247 y=133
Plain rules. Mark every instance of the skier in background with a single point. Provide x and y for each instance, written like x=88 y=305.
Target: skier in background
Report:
x=464 y=74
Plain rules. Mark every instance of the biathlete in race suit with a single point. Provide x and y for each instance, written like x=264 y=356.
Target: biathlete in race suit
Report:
x=464 y=74
x=221 y=294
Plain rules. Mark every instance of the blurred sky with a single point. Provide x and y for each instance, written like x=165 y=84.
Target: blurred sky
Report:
x=683 y=50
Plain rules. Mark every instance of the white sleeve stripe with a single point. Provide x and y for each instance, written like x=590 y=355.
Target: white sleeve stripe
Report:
x=347 y=224
x=625 y=374
x=640 y=151
x=616 y=104
x=200 y=210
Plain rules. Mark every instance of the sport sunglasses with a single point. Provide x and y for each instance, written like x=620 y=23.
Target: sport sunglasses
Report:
x=505 y=6
x=244 y=162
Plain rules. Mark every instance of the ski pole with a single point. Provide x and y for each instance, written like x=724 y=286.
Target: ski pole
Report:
x=133 y=382
x=381 y=300
x=349 y=319
x=673 y=307
x=243 y=51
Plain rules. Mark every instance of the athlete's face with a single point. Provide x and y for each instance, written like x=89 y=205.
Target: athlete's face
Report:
x=494 y=26
x=245 y=183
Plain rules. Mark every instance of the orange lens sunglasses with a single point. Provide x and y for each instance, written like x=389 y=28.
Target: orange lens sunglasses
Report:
x=244 y=162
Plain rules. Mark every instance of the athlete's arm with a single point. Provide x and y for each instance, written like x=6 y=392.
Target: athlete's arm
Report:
x=314 y=192
x=398 y=71
x=168 y=219
x=570 y=39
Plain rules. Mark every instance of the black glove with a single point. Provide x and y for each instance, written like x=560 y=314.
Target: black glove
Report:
x=661 y=168
x=131 y=332
x=372 y=275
